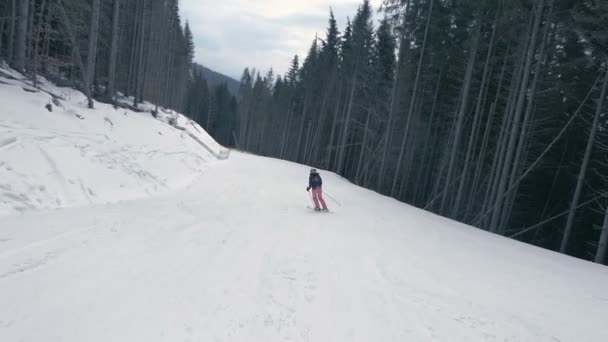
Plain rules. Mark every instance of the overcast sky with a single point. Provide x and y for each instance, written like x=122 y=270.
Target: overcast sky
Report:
x=233 y=34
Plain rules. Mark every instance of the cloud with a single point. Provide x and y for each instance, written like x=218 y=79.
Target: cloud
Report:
x=233 y=34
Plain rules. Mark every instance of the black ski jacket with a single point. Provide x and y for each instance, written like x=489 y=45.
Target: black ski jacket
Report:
x=314 y=181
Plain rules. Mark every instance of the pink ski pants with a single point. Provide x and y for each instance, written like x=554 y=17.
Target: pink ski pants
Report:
x=317 y=197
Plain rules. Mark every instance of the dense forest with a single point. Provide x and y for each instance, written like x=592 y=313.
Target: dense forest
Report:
x=488 y=112
x=132 y=49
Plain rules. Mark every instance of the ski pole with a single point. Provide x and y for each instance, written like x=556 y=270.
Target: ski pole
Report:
x=311 y=200
x=331 y=198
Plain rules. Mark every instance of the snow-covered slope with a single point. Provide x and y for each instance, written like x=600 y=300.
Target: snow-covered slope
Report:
x=235 y=255
x=73 y=156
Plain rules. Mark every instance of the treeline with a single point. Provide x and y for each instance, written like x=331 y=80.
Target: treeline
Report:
x=488 y=112
x=213 y=107
x=136 y=48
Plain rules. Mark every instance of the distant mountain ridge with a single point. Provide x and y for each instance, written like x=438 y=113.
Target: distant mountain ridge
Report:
x=214 y=78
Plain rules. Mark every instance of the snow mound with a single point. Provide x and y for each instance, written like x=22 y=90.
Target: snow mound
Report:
x=55 y=152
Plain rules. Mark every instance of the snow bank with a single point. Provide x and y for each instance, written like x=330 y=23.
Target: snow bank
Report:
x=55 y=152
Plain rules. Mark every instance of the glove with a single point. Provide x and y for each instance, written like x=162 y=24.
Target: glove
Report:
x=308 y=189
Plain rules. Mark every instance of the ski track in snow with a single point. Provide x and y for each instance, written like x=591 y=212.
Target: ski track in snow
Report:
x=7 y=142
x=240 y=258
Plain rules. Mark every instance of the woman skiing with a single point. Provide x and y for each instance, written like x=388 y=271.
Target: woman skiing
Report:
x=316 y=184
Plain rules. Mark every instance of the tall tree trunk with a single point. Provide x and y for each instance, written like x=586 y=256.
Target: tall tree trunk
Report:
x=334 y=128
x=92 y=49
x=424 y=174
x=137 y=96
x=363 y=153
x=30 y=35
x=461 y=115
x=412 y=100
x=443 y=161
x=506 y=124
x=403 y=47
x=476 y=123
x=3 y=25
x=131 y=78
x=36 y=39
x=584 y=166
x=46 y=45
x=486 y=136
x=602 y=246
x=286 y=130
x=389 y=125
x=323 y=116
x=298 y=152
x=523 y=138
x=21 y=36
x=497 y=214
x=75 y=50
x=346 y=129
x=113 y=51
x=10 y=48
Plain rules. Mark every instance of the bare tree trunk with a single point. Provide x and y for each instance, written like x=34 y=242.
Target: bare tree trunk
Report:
x=389 y=127
x=301 y=129
x=507 y=123
x=145 y=81
x=363 y=145
x=442 y=165
x=92 y=50
x=3 y=25
x=496 y=215
x=30 y=35
x=476 y=123
x=411 y=152
x=113 y=51
x=286 y=130
x=321 y=124
x=10 y=48
x=75 y=50
x=412 y=100
x=600 y=256
x=46 y=45
x=461 y=116
x=345 y=131
x=334 y=128
x=21 y=37
x=130 y=89
x=137 y=96
x=486 y=137
x=584 y=166
x=425 y=174
x=36 y=39
x=523 y=137
x=403 y=46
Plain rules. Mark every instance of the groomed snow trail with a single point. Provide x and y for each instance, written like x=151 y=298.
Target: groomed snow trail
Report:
x=238 y=257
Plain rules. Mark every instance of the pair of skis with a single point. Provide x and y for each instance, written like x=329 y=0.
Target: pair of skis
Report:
x=320 y=211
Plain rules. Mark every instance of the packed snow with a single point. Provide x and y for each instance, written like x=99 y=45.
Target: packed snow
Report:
x=135 y=231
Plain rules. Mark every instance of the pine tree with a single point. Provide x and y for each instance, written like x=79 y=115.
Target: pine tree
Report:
x=294 y=71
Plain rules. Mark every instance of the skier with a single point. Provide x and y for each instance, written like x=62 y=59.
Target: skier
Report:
x=316 y=184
